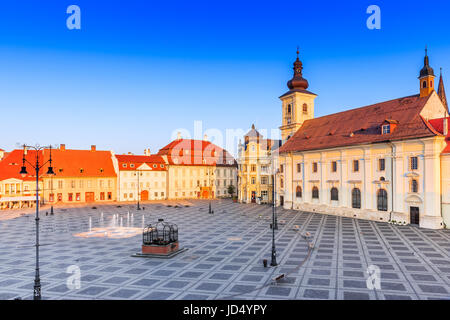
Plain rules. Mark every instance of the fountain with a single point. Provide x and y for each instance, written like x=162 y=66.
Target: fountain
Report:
x=143 y=221
x=90 y=224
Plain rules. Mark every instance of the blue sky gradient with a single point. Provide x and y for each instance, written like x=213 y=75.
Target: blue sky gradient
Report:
x=138 y=70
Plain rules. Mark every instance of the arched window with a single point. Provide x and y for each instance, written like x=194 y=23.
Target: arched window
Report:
x=288 y=114
x=334 y=194
x=305 y=108
x=424 y=84
x=382 y=200
x=315 y=193
x=356 y=198
x=281 y=182
x=414 y=186
x=298 y=192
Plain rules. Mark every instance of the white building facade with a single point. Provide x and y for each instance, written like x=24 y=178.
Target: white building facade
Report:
x=384 y=162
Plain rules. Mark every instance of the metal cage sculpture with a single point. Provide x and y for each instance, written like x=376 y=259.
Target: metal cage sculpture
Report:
x=161 y=233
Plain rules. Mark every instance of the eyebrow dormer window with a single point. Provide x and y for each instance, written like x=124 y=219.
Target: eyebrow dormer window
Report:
x=386 y=129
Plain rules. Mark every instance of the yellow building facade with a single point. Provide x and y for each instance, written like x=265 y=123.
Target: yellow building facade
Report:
x=255 y=168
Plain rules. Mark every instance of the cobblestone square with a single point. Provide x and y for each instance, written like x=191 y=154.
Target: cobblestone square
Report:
x=224 y=256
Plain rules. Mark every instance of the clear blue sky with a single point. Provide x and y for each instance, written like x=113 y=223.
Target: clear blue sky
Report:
x=137 y=70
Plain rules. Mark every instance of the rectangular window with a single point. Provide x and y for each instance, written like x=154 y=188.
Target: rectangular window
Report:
x=414 y=163
x=78 y=197
x=334 y=166
x=355 y=165
x=386 y=129
x=281 y=168
x=70 y=197
x=381 y=164
x=253 y=168
x=314 y=167
x=299 y=167
x=109 y=196
x=253 y=181
x=263 y=180
x=102 y=196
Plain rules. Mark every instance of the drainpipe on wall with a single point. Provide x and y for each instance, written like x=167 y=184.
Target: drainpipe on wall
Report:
x=292 y=179
x=392 y=179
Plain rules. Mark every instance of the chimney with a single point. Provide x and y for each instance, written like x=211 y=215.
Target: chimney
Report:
x=178 y=135
x=93 y=147
x=62 y=147
x=147 y=152
x=205 y=137
x=446 y=121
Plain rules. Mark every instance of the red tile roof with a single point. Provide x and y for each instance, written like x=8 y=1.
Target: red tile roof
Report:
x=66 y=163
x=12 y=163
x=196 y=153
x=92 y=163
x=362 y=125
x=136 y=161
x=438 y=124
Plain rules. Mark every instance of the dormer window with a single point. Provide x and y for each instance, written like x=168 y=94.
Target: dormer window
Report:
x=124 y=165
x=388 y=126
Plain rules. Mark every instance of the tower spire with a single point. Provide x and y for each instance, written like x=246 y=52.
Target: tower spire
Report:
x=426 y=77
x=297 y=81
x=441 y=92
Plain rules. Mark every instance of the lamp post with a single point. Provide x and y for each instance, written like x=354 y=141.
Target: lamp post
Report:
x=53 y=196
x=210 y=193
x=275 y=199
x=273 y=261
x=138 y=191
x=23 y=172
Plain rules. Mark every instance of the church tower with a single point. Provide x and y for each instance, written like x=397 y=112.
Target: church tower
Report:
x=297 y=103
x=426 y=77
x=441 y=93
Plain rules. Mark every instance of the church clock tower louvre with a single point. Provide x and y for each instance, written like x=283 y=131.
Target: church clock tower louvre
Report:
x=426 y=77
x=297 y=103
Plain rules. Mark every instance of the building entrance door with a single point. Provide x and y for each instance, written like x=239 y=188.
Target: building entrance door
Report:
x=253 y=196
x=90 y=197
x=414 y=215
x=281 y=200
x=144 y=195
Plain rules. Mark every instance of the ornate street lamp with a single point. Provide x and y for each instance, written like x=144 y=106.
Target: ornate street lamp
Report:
x=35 y=164
x=273 y=261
